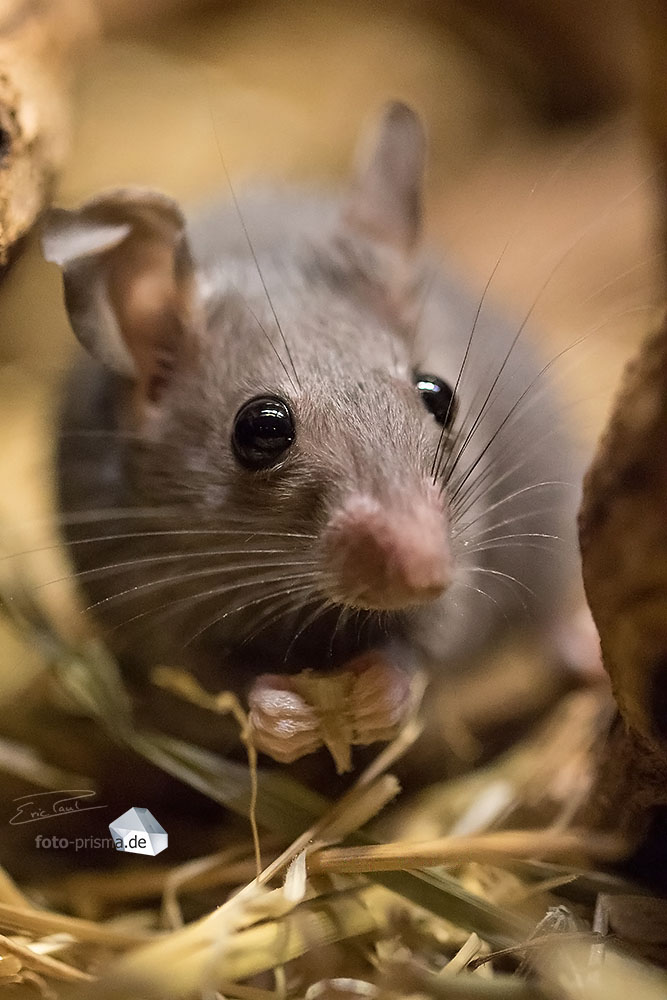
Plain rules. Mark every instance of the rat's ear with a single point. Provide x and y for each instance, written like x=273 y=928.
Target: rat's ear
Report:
x=129 y=282
x=385 y=201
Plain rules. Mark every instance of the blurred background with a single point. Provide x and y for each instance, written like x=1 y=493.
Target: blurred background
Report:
x=530 y=107
x=538 y=154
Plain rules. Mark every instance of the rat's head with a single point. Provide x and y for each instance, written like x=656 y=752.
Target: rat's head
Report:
x=275 y=394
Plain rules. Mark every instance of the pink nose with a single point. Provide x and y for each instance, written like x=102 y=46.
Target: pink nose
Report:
x=384 y=559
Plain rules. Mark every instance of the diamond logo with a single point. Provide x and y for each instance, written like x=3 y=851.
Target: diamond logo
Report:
x=138 y=832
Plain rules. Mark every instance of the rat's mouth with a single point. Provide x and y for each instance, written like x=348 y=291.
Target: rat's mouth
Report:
x=334 y=684
x=321 y=638
x=337 y=680
x=306 y=684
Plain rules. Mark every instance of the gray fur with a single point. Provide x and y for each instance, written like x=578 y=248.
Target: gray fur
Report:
x=349 y=307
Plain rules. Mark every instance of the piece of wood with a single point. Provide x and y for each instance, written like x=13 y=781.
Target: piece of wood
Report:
x=653 y=93
x=565 y=58
x=623 y=533
x=40 y=41
x=623 y=537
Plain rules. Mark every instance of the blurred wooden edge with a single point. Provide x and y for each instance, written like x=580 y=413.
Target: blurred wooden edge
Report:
x=130 y=16
x=654 y=97
x=39 y=46
x=623 y=531
x=568 y=60
x=623 y=536
x=565 y=59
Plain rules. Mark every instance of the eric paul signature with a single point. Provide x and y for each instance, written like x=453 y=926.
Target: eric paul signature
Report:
x=47 y=805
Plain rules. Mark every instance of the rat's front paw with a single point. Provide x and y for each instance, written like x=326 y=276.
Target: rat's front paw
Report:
x=294 y=715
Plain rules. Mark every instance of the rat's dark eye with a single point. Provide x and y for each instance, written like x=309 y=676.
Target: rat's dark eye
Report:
x=263 y=432
x=438 y=398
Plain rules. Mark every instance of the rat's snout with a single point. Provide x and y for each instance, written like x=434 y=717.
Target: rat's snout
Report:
x=385 y=558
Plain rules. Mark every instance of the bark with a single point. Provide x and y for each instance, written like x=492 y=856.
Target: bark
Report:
x=623 y=536
x=623 y=533
x=40 y=42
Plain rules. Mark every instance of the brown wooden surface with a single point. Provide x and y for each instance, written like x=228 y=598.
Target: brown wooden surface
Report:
x=38 y=45
x=623 y=528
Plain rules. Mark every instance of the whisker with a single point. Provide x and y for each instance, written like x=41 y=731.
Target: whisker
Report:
x=506 y=578
x=295 y=600
x=488 y=480
x=527 y=445
x=500 y=573
x=194 y=575
x=512 y=496
x=508 y=520
x=492 y=547
x=101 y=572
x=177 y=532
x=94 y=432
x=619 y=277
x=255 y=259
x=521 y=407
x=517 y=534
x=478 y=590
x=560 y=261
x=443 y=433
x=342 y=619
x=243 y=607
x=94 y=514
x=559 y=169
x=363 y=616
x=193 y=599
x=102 y=514
x=519 y=540
x=324 y=605
x=485 y=483
x=513 y=409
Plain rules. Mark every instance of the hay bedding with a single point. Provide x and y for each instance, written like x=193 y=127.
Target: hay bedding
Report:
x=314 y=898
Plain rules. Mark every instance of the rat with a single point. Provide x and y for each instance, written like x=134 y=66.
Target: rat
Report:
x=294 y=438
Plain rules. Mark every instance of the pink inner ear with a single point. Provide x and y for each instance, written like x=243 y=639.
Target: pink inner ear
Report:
x=150 y=310
x=161 y=377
